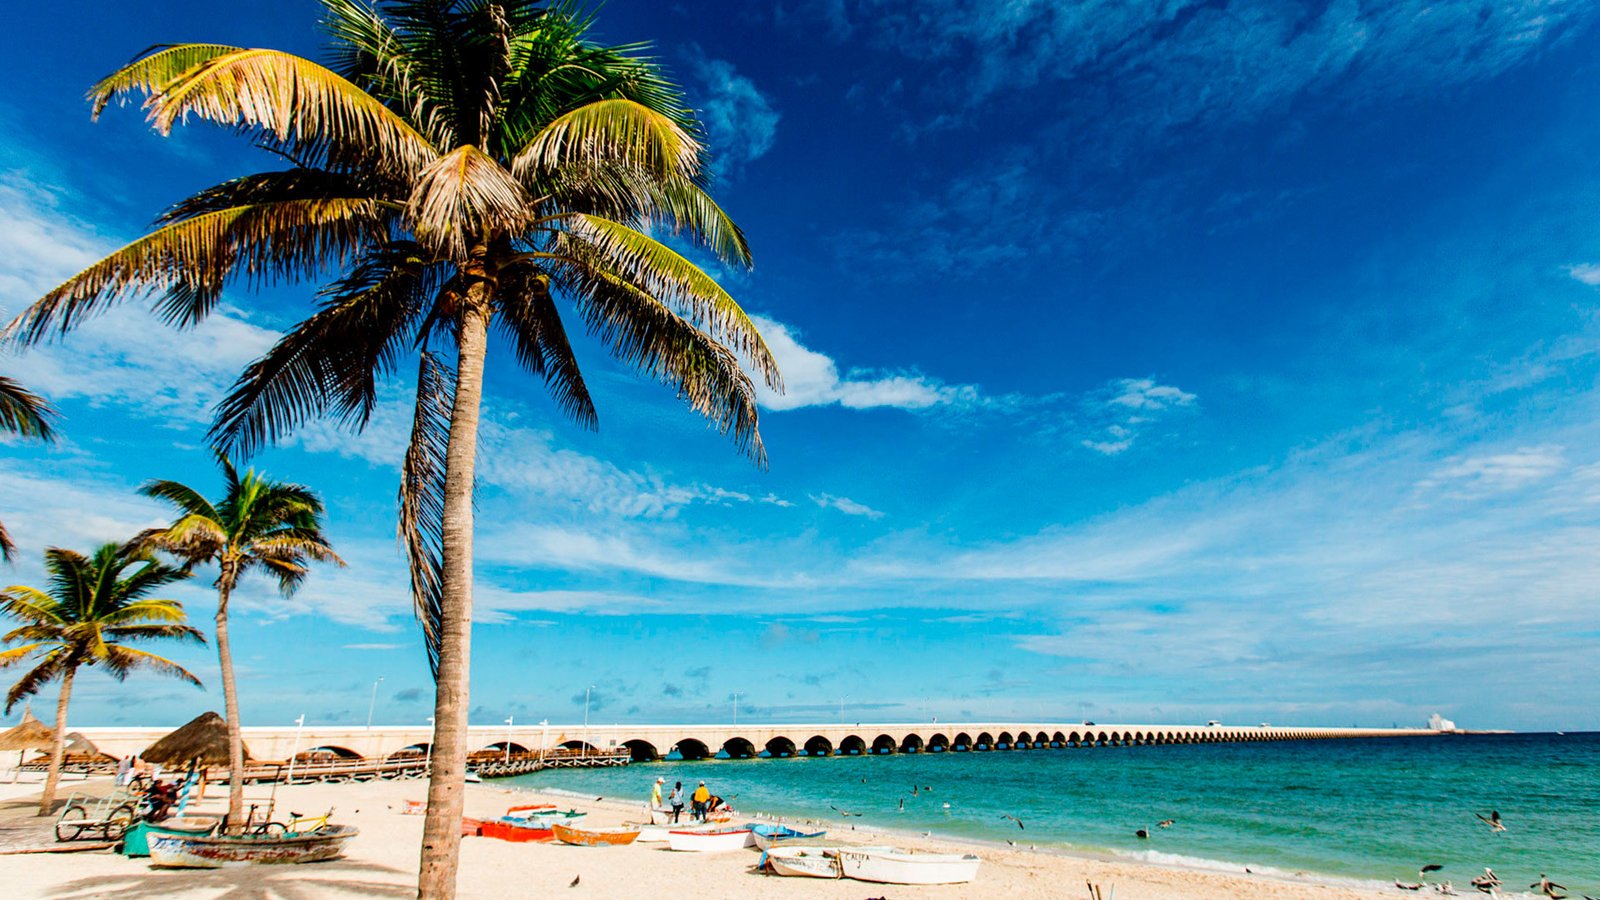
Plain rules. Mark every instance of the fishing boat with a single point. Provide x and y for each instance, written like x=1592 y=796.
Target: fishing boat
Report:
x=887 y=866
x=599 y=837
x=136 y=842
x=214 y=851
x=804 y=862
x=716 y=841
x=545 y=818
x=657 y=834
x=516 y=831
x=768 y=836
x=531 y=809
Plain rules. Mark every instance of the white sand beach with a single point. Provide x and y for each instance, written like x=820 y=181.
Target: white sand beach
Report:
x=382 y=862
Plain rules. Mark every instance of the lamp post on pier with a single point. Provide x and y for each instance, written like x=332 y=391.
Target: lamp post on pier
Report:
x=586 y=692
x=294 y=750
x=508 y=738
x=428 y=764
x=736 y=706
x=373 y=703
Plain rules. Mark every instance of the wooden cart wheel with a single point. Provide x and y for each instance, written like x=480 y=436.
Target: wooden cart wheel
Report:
x=118 y=823
x=71 y=823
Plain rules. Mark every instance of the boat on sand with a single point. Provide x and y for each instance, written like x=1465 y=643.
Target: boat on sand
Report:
x=717 y=841
x=888 y=866
x=599 y=837
x=213 y=851
x=768 y=836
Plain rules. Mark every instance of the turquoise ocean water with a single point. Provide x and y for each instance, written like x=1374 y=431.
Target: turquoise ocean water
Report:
x=1362 y=809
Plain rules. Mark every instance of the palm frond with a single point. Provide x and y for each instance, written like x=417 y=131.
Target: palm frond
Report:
x=372 y=55
x=198 y=255
x=422 y=474
x=331 y=361
x=661 y=272
x=530 y=318
x=156 y=631
x=36 y=678
x=25 y=413
x=8 y=547
x=120 y=660
x=465 y=193
x=154 y=69
x=292 y=99
x=30 y=604
x=185 y=498
x=612 y=131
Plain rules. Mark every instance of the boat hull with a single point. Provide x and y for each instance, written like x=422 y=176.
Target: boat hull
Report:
x=215 y=851
x=710 y=841
x=769 y=836
x=579 y=837
x=908 y=868
x=804 y=862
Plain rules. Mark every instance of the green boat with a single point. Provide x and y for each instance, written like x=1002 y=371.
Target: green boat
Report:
x=137 y=840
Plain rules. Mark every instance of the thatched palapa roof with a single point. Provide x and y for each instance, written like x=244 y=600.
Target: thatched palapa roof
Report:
x=29 y=734
x=78 y=745
x=203 y=741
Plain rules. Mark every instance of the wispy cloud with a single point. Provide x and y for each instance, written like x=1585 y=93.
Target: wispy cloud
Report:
x=1588 y=273
x=812 y=378
x=1127 y=407
x=845 y=505
x=740 y=119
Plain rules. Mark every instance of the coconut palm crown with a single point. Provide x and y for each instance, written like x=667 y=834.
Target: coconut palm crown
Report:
x=25 y=414
x=258 y=523
x=90 y=614
x=461 y=165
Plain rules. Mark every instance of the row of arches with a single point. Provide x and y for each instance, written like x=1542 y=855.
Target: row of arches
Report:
x=783 y=747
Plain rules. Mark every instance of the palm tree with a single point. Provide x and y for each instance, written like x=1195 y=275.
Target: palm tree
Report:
x=258 y=523
x=463 y=164
x=26 y=414
x=94 y=608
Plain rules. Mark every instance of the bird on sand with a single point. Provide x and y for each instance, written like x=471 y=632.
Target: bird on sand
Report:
x=1014 y=819
x=1548 y=887
x=1488 y=882
x=1492 y=820
x=1408 y=886
x=1447 y=889
x=1166 y=823
x=575 y=880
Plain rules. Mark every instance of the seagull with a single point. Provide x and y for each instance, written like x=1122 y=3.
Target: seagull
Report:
x=1010 y=842
x=841 y=811
x=1407 y=887
x=902 y=804
x=1142 y=834
x=575 y=880
x=914 y=791
x=1488 y=882
x=1548 y=887
x=1447 y=888
x=1014 y=819
x=1166 y=823
x=1430 y=867
x=1492 y=820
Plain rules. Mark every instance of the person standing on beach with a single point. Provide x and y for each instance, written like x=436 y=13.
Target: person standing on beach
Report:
x=676 y=799
x=701 y=796
x=655 y=794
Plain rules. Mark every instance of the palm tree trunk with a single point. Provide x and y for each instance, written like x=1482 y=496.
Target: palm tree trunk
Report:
x=58 y=747
x=230 y=704
x=441 y=831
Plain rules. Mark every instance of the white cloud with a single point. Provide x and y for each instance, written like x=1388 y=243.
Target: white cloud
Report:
x=811 y=378
x=1588 y=273
x=1122 y=410
x=740 y=119
x=845 y=505
x=1144 y=393
x=1498 y=472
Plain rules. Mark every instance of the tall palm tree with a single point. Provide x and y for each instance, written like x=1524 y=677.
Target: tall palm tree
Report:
x=94 y=608
x=23 y=413
x=463 y=164
x=258 y=523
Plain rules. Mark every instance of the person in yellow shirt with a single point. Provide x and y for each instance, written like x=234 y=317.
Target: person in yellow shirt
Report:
x=655 y=794
x=699 y=799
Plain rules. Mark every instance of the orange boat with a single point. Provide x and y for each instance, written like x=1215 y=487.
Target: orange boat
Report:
x=609 y=837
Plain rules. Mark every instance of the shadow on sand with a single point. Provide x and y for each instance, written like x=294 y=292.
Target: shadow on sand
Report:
x=308 y=881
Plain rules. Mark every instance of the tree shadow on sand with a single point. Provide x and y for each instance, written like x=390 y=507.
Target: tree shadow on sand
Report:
x=310 y=881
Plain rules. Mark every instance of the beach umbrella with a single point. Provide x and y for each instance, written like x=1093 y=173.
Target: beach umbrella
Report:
x=202 y=742
x=78 y=745
x=29 y=734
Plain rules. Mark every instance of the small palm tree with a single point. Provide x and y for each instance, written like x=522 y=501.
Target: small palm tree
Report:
x=258 y=523
x=95 y=607
x=27 y=414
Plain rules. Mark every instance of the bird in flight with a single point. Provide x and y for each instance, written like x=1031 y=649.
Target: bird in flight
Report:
x=1548 y=887
x=1014 y=819
x=575 y=880
x=841 y=811
x=1492 y=820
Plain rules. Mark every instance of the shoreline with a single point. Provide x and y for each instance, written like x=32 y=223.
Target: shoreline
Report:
x=382 y=862
x=936 y=841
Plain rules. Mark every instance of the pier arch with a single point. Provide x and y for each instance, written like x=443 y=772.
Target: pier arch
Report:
x=818 y=745
x=1024 y=741
x=690 y=749
x=326 y=753
x=938 y=744
x=883 y=743
x=985 y=741
x=911 y=743
x=854 y=745
x=780 y=747
x=1005 y=741
x=411 y=752
x=642 y=751
x=582 y=745
x=738 y=748
x=1058 y=740
x=962 y=742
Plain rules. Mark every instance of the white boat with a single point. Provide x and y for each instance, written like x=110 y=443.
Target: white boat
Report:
x=805 y=862
x=769 y=836
x=650 y=834
x=720 y=840
x=902 y=867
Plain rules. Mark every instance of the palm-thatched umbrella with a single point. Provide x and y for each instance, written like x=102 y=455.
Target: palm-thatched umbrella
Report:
x=202 y=742
x=29 y=734
x=80 y=746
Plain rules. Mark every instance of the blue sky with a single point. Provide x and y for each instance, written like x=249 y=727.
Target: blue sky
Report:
x=1145 y=362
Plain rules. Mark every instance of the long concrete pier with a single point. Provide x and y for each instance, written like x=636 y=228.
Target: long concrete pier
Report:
x=742 y=741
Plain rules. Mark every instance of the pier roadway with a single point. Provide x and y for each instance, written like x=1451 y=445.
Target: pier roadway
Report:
x=651 y=742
